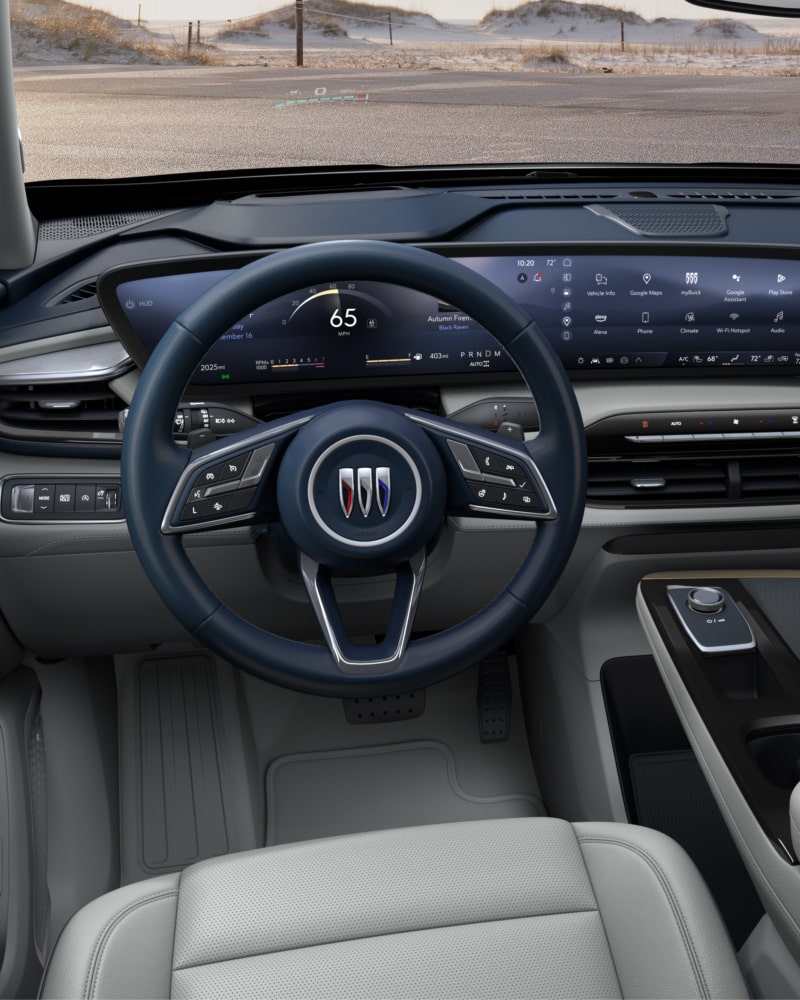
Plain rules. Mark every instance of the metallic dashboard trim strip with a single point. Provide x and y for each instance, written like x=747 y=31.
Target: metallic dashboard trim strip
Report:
x=75 y=364
x=61 y=342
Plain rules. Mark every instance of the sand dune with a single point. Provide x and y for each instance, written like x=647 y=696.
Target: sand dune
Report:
x=541 y=35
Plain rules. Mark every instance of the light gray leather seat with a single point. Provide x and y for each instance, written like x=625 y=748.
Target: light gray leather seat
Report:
x=505 y=908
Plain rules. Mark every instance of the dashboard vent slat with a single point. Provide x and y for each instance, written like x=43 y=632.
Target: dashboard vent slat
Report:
x=623 y=196
x=570 y=196
x=73 y=412
x=623 y=482
x=778 y=477
x=677 y=481
x=88 y=290
x=732 y=196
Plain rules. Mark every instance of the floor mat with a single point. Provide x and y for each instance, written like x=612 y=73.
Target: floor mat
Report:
x=349 y=791
x=672 y=796
x=183 y=813
x=181 y=766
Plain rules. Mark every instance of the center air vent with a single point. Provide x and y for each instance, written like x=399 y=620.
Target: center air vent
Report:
x=76 y=412
x=776 y=477
x=687 y=482
x=633 y=484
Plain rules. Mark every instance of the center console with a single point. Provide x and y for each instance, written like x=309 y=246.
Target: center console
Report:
x=728 y=648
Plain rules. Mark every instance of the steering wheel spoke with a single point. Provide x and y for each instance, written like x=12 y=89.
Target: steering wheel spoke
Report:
x=489 y=476
x=385 y=656
x=227 y=482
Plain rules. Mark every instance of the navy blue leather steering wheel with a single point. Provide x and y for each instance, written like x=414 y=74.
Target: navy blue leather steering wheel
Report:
x=360 y=487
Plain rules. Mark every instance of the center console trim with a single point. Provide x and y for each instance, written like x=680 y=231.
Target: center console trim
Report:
x=769 y=859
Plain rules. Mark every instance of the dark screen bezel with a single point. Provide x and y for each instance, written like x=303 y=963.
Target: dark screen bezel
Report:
x=111 y=279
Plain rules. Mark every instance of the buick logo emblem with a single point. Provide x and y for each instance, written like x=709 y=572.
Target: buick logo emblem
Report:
x=370 y=485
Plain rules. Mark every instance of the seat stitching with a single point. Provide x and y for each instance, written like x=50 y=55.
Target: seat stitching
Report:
x=600 y=915
x=375 y=937
x=175 y=935
x=677 y=911
x=105 y=935
x=795 y=827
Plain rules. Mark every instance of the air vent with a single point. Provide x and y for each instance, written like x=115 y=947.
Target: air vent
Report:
x=74 y=412
x=547 y=196
x=774 y=478
x=78 y=228
x=633 y=484
x=684 y=482
x=87 y=290
x=732 y=196
x=625 y=196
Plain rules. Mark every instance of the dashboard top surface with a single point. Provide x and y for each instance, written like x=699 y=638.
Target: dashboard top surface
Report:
x=726 y=329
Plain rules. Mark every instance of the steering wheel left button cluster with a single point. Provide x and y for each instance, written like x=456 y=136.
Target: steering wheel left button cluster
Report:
x=224 y=488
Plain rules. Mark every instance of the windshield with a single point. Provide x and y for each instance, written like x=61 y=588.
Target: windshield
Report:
x=173 y=87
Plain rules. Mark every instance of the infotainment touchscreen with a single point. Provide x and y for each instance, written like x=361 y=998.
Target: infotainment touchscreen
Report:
x=602 y=313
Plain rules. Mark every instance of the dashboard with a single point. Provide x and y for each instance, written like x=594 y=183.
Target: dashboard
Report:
x=607 y=312
x=670 y=295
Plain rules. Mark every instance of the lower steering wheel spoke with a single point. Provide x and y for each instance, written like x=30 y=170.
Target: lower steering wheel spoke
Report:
x=385 y=656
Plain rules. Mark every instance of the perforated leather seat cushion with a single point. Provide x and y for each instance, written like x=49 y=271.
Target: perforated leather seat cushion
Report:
x=505 y=908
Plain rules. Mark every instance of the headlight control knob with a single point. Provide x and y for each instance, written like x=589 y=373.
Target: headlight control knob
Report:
x=706 y=600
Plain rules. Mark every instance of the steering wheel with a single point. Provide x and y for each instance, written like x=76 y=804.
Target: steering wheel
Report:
x=361 y=488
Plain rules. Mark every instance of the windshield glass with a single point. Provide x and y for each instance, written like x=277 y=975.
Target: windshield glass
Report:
x=173 y=87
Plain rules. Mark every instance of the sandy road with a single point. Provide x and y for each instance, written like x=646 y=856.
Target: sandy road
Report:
x=105 y=121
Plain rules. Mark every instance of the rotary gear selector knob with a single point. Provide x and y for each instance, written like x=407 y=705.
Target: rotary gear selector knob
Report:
x=706 y=600
x=711 y=618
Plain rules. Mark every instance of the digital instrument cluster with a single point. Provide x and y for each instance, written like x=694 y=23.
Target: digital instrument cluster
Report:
x=602 y=312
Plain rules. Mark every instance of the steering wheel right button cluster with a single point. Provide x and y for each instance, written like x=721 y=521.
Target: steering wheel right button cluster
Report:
x=497 y=482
